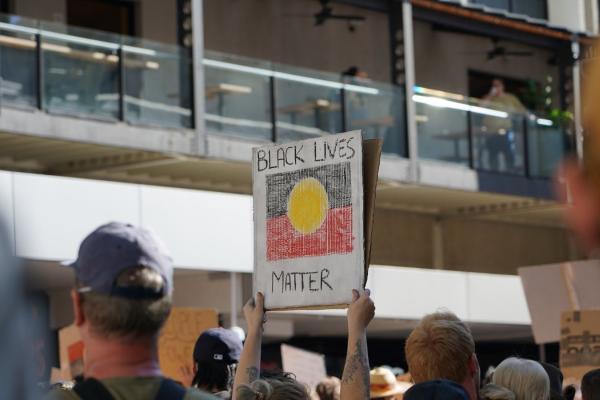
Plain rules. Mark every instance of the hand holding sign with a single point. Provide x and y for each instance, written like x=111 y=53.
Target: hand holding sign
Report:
x=360 y=312
x=254 y=312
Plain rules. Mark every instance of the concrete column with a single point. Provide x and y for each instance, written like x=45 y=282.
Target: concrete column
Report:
x=409 y=73
x=438 y=244
x=198 y=68
x=577 y=99
x=234 y=292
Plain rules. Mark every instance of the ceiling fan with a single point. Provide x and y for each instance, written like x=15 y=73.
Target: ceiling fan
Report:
x=326 y=13
x=498 y=51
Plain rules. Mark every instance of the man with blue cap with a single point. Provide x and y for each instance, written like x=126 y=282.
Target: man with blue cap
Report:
x=216 y=356
x=121 y=300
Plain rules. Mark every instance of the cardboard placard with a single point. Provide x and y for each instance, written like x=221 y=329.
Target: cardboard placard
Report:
x=579 y=343
x=175 y=345
x=70 y=352
x=554 y=288
x=313 y=214
x=178 y=337
x=308 y=367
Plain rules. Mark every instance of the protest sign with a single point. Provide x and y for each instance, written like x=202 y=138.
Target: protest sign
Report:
x=554 y=288
x=178 y=337
x=579 y=343
x=312 y=219
x=308 y=367
x=70 y=352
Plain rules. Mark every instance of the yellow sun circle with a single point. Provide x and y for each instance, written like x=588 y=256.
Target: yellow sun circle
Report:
x=307 y=205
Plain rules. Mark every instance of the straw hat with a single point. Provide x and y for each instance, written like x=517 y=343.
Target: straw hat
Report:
x=383 y=383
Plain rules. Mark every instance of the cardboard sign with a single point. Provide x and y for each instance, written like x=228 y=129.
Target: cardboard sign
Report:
x=579 y=343
x=311 y=225
x=178 y=337
x=70 y=352
x=554 y=288
x=308 y=367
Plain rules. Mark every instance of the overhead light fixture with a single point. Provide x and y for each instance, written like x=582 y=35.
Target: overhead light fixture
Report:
x=444 y=103
x=544 y=122
x=289 y=77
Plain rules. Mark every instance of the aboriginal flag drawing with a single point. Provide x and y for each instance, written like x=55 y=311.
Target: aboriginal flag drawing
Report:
x=309 y=212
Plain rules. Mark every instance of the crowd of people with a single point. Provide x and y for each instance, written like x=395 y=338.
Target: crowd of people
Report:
x=122 y=298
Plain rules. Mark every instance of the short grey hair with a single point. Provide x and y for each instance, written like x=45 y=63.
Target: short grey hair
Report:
x=527 y=379
x=129 y=318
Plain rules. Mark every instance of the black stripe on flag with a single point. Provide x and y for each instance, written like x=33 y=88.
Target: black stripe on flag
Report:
x=334 y=177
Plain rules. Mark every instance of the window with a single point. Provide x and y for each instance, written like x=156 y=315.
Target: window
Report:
x=531 y=8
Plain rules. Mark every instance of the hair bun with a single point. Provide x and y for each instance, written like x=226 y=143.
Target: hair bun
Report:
x=257 y=390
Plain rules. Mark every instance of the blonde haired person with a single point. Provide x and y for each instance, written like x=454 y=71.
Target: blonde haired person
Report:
x=442 y=347
x=355 y=379
x=518 y=379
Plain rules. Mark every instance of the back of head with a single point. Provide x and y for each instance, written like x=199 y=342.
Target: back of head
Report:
x=525 y=378
x=329 y=388
x=590 y=385
x=124 y=280
x=495 y=392
x=273 y=389
x=439 y=389
x=440 y=347
x=216 y=355
x=556 y=379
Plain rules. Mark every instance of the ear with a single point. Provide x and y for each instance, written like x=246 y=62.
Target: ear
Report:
x=473 y=365
x=195 y=368
x=79 y=316
x=582 y=211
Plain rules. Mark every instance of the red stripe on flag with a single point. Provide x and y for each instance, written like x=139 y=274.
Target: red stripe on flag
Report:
x=333 y=237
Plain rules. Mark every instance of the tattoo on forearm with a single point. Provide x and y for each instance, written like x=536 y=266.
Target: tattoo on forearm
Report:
x=252 y=374
x=357 y=364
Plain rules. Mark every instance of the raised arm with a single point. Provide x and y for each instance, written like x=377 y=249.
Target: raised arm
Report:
x=355 y=379
x=248 y=368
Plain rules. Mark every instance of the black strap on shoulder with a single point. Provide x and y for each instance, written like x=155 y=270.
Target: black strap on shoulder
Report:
x=170 y=390
x=92 y=389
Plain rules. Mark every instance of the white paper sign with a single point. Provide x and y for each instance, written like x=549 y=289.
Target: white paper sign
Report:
x=308 y=367
x=308 y=221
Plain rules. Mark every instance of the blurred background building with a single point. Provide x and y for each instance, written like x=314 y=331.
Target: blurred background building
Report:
x=146 y=111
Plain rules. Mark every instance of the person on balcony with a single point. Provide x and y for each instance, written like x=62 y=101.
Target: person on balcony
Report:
x=498 y=131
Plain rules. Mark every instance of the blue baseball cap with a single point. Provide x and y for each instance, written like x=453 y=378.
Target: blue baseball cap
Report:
x=440 y=389
x=218 y=344
x=115 y=247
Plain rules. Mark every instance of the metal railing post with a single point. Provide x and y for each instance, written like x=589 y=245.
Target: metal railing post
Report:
x=526 y=146
x=409 y=68
x=273 y=110
x=470 y=141
x=39 y=70
x=121 y=83
x=343 y=109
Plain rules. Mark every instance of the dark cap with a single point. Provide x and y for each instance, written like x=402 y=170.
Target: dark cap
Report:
x=218 y=344
x=440 y=389
x=115 y=247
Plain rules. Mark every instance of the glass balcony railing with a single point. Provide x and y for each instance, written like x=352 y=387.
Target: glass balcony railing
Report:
x=67 y=70
x=254 y=99
x=485 y=137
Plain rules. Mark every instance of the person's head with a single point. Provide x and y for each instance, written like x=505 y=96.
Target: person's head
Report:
x=498 y=86
x=216 y=355
x=273 y=389
x=590 y=385
x=438 y=389
x=123 y=284
x=525 y=378
x=442 y=347
x=556 y=380
x=383 y=384
x=329 y=388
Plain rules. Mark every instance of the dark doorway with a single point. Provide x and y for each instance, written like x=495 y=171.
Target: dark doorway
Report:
x=105 y=15
x=527 y=90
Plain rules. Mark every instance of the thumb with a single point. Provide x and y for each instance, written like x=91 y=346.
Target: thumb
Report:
x=260 y=301
x=355 y=295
